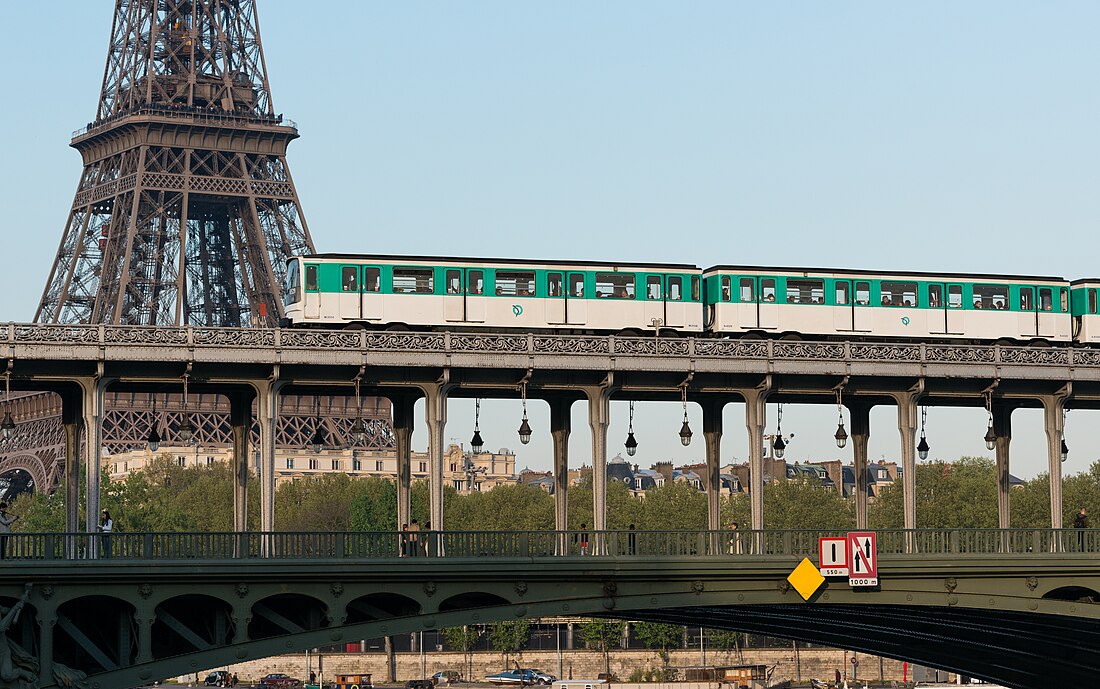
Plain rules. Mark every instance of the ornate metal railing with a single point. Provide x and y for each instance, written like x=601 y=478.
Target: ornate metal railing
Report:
x=781 y=544
x=694 y=348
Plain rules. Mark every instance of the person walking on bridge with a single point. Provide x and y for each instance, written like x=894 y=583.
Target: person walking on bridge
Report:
x=1081 y=522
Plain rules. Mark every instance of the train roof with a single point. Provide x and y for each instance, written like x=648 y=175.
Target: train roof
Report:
x=475 y=260
x=907 y=273
x=1083 y=281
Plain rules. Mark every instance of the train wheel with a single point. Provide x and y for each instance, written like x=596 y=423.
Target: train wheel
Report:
x=1038 y=342
x=397 y=328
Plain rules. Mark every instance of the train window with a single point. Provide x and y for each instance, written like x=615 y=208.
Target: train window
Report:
x=863 y=294
x=576 y=284
x=1046 y=299
x=653 y=289
x=727 y=291
x=413 y=281
x=767 y=289
x=1064 y=299
x=675 y=288
x=899 y=293
x=519 y=283
x=935 y=296
x=475 y=282
x=372 y=280
x=454 y=281
x=1027 y=295
x=554 y=285
x=1092 y=300
x=748 y=291
x=954 y=296
x=695 y=288
x=349 y=278
x=615 y=285
x=290 y=289
x=806 y=291
x=311 y=278
x=991 y=296
x=842 y=295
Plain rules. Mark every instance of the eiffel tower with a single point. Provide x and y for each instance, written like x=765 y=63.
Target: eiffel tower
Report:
x=185 y=213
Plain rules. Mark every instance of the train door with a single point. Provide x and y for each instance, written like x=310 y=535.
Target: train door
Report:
x=348 y=299
x=576 y=304
x=454 y=294
x=654 y=299
x=1049 y=312
x=863 y=313
x=475 y=295
x=371 y=285
x=312 y=307
x=937 y=308
x=555 y=298
x=956 y=315
x=768 y=311
x=747 y=306
x=675 y=309
x=844 y=311
x=1028 y=318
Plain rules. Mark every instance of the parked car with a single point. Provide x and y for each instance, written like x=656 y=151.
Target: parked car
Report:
x=419 y=684
x=278 y=679
x=446 y=677
x=521 y=677
x=218 y=678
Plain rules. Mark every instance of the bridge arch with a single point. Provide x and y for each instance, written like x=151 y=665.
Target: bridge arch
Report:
x=95 y=631
x=287 y=613
x=1082 y=594
x=198 y=621
x=470 y=600
x=380 y=606
x=33 y=465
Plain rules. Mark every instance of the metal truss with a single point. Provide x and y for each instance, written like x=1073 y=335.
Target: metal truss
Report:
x=186 y=211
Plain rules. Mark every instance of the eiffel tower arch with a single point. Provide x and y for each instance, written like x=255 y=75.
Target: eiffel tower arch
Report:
x=185 y=213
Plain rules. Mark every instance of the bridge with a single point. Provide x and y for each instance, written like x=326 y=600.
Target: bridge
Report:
x=253 y=368
x=1011 y=606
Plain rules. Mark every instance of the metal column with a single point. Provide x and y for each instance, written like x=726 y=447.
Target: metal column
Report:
x=402 y=432
x=756 y=414
x=71 y=413
x=435 y=407
x=599 y=411
x=240 y=419
x=560 y=427
x=907 y=427
x=1053 y=409
x=712 y=434
x=92 y=409
x=1002 y=428
x=860 y=414
x=267 y=396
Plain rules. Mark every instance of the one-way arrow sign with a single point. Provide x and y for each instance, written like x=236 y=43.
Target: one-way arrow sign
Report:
x=862 y=558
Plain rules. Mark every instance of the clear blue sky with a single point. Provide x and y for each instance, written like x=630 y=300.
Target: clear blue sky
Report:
x=930 y=136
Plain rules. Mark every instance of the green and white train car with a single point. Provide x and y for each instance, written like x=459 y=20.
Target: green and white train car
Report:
x=1085 y=305
x=848 y=304
x=337 y=290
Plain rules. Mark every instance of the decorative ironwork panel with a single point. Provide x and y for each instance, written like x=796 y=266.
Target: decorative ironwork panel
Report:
x=960 y=354
x=319 y=339
x=489 y=343
x=651 y=346
x=571 y=345
x=155 y=336
x=56 y=334
x=807 y=350
x=419 y=342
x=739 y=349
x=885 y=352
x=1035 y=355
x=226 y=337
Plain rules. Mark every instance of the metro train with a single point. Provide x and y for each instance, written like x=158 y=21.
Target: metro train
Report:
x=443 y=293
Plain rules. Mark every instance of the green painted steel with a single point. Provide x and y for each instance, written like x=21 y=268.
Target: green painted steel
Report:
x=238 y=608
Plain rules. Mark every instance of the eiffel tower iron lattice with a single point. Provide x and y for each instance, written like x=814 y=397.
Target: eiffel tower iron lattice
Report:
x=186 y=211
x=185 y=214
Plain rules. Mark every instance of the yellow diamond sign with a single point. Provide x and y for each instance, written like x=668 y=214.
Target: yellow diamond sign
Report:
x=806 y=579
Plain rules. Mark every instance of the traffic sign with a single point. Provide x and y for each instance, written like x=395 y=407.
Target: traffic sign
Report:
x=834 y=556
x=862 y=558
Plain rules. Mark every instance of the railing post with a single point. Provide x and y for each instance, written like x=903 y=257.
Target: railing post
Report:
x=147 y=546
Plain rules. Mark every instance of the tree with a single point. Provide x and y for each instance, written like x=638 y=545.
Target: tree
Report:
x=804 y=503
x=509 y=636
x=465 y=639
x=602 y=635
x=725 y=639
x=660 y=636
x=955 y=495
